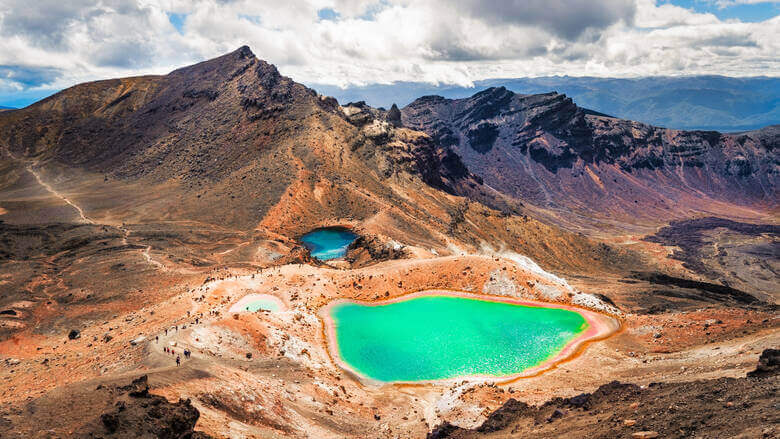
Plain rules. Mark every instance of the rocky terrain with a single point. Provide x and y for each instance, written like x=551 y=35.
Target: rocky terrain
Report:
x=591 y=172
x=135 y=212
x=719 y=103
x=113 y=411
x=725 y=407
x=737 y=254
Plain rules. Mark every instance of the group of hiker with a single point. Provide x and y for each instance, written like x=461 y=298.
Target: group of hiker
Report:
x=187 y=354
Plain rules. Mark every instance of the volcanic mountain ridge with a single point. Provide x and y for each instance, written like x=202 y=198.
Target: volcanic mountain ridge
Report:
x=590 y=172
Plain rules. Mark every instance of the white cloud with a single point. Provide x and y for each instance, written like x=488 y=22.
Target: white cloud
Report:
x=56 y=43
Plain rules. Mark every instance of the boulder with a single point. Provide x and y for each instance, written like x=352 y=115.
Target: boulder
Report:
x=768 y=363
x=138 y=340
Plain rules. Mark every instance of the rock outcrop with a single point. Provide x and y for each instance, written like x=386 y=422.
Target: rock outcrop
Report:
x=724 y=407
x=545 y=150
x=139 y=414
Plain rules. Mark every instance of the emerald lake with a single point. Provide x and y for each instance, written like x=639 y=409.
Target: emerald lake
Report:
x=435 y=337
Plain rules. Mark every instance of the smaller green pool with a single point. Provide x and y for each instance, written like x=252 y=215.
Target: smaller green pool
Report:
x=262 y=304
x=434 y=337
x=258 y=302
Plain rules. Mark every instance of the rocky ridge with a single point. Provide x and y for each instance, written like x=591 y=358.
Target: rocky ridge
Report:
x=724 y=407
x=545 y=150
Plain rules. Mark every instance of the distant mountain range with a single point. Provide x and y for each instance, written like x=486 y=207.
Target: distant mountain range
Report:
x=693 y=103
x=6 y=108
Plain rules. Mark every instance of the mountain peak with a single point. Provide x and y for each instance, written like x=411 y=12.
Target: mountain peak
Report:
x=244 y=52
x=227 y=63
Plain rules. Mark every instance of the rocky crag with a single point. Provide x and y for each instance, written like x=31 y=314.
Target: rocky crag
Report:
x=593 y=170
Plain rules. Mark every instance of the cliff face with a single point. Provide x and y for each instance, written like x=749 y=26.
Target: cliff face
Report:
x=546 y=150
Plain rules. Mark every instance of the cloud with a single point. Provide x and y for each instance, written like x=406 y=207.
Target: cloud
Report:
x=58 y=43
x=565 y=18
x=46 y=23
x=27 y=77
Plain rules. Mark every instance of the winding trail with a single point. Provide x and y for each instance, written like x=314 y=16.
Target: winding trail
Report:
x=125 y=231
x=149 y=259
x=230 y=250
x=59 y=195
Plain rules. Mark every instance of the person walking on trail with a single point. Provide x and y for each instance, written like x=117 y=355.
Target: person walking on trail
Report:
x=178 y=361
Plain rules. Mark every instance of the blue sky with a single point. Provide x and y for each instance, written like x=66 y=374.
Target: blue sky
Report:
x=49 y=45
x=177 y=20
x=748 y=12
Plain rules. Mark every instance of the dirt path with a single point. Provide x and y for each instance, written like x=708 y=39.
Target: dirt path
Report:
x=59 y=195
x=125 y=231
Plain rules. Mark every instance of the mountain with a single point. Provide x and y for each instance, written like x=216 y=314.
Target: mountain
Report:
x=591 y=170
x=690 y=102
x=210 y=134
x=139 y=215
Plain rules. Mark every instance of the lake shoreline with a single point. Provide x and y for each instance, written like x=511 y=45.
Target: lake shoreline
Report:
x=600 y=326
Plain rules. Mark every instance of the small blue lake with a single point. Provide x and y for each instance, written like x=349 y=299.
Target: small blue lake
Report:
x=328 y=242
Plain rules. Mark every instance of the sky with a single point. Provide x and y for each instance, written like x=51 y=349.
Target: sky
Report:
x=52 y=44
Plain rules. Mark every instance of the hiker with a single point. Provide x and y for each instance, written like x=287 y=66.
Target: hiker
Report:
x=178 y=361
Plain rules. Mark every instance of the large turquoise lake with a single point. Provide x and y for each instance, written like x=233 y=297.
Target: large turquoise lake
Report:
x=328 y=243
x=439 y=337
